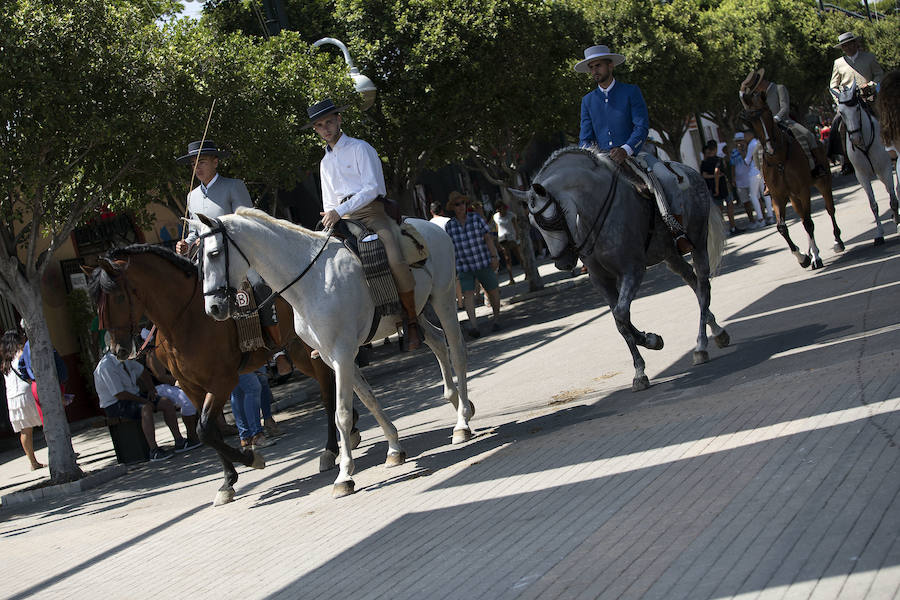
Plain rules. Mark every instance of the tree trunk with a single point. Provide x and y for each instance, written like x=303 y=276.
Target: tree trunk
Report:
x=521 y=211
x=63 y=467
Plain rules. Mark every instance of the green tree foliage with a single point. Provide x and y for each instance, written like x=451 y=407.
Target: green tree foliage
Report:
x=96 y=100
x=77 y=99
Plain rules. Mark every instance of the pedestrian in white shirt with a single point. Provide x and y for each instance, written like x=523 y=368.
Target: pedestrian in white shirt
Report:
x=353 y=187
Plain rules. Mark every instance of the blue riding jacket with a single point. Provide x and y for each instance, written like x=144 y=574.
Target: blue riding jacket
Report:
x=615 y=120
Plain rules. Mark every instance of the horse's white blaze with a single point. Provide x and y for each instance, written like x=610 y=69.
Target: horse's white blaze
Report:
x=333 y=308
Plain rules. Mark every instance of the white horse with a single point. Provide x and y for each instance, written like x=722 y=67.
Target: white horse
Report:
x=862 y=139
x=334 y=310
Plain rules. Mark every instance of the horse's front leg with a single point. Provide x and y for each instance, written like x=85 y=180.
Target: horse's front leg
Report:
x=866 y=185
x=779 y=206
x=619 y=300
x=209 y=434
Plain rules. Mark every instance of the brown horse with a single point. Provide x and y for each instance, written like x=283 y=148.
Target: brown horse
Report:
x=203 y=354
x=788 y=177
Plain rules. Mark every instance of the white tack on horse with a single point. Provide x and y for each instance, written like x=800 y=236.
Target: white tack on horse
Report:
x=333 y=309
x=870 y=159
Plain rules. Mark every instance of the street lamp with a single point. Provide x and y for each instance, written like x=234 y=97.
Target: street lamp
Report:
x=363 y=84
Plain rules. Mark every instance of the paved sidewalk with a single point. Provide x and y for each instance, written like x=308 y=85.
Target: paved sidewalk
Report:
x=770 y=472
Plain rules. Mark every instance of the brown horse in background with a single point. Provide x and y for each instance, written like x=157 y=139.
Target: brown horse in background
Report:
x=203 y=354
x=787 y=175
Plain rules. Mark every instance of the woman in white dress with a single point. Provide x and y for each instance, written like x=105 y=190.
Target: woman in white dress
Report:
x=23 y=413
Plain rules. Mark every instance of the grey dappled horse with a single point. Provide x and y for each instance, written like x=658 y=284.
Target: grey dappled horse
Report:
x=587 y=207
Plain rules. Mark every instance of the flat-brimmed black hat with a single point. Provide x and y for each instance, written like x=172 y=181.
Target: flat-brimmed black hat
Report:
x=321 y=109
x=206 y=147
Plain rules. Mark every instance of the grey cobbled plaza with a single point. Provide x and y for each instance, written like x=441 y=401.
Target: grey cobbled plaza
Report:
x=773 y=471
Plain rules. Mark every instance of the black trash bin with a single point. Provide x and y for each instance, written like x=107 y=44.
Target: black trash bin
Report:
x=128 y=440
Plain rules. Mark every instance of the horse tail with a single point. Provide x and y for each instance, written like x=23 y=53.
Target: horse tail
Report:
x=715 y=238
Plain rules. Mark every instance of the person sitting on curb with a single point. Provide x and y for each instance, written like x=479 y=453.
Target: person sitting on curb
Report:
x=126 y=392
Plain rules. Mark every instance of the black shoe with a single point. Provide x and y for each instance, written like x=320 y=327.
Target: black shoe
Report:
x=158 y=454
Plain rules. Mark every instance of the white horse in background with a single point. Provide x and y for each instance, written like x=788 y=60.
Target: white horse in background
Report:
x=334 y=310
x=862 y=140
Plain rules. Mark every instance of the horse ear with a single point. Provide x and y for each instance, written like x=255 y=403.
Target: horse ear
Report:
x=205 y=220
x=87 y=270
x=834 y=93
x=519 y=194
x=539 y=190
x=853 y=87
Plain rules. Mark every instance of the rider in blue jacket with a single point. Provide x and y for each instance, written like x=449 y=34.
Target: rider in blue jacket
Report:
x=614 y=118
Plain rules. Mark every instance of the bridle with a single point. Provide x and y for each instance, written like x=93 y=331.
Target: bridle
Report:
x=228 y=291
x=559 y=223
x=103 y=313
x=861 y=110
x=776 y=139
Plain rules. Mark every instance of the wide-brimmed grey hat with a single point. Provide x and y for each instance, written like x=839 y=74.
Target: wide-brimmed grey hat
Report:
x=321 y=109
x=595 y=52
x=201 y=147
x=847 y=36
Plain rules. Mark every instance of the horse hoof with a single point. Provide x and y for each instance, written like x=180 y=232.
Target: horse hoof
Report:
x=224 y=497
x=804 y=262
x=701 y=357
x=640 y=383
x=723 y=339
x=259 y=461
x=395 y=459
x=355 y=439
x=879 y=241
x=654 y=342
x=461 y=435
x=817 y=264
x=344 y=488
x=327 y=461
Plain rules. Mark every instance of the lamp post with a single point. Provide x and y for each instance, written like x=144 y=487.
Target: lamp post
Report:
x=363 y=84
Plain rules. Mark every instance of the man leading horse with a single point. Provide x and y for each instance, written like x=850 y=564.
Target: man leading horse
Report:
x=614 y=118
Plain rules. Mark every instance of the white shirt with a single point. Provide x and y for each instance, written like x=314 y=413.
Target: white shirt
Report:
x=205 y=188
x=505 y=226
x=439 y=220
x=111 y=378
x=350 y=168
x=751 y=164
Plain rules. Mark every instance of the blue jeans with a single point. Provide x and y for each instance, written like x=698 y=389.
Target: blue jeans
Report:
x=245 y=406
x=265 y=397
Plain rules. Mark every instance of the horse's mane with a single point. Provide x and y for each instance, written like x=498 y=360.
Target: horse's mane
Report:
x=258 y=215
x=600 y=159
x=101 y=281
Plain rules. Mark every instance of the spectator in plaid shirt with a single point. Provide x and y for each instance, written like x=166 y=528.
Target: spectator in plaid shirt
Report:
x=476 y=258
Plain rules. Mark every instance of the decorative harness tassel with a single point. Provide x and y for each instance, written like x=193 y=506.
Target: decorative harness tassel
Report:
x=246 y=318
x=378 y=275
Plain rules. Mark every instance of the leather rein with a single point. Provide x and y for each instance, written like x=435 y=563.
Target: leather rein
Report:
x=227 y=289
x=558 y=223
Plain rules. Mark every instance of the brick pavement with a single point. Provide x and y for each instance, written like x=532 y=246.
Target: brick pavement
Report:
x=771 y=472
